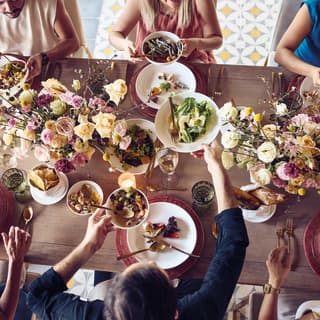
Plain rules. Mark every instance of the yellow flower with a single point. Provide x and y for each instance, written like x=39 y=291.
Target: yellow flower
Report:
x=106 y=157
x=26 y=97
x=50 y=124
x=301 y=191
x=59 y=141
x=81 y=146
x=90 y=151
x=248 y=111
x=104 y=124
x=257 y=117
x=58 y=107
x=54 y=156
x=299 y=163
x=227 y=159
x=25 y=86
x=84 y=130
x=269 y=130
x=291 y=189
x=297 y=181
x=8 y=137
x=76 y=85
x=116 y=90
x=29 y=134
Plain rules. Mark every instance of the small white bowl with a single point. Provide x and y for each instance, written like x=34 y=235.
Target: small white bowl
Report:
x=76 y=187
x=165 y=35
x=127 y=223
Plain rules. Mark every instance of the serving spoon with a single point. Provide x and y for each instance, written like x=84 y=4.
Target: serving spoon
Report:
x=27 y=214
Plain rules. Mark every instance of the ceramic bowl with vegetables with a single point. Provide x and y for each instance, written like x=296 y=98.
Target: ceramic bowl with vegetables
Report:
x=83 y=196
x=197 y=118
x=162 y=47
x=129 y=208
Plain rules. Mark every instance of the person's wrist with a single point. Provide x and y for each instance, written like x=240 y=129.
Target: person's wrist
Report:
x=275 y=283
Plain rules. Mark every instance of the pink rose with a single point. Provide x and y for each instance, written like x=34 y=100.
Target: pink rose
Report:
x=41 y=153
x=47 y=136
x=79 y=160
x=77 y=102
x=120 y=128
x=12 y=123
x=66 y=97
x=64 y=126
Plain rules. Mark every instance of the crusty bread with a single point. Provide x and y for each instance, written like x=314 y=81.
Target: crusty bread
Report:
x=246 y=200
x=268 y=196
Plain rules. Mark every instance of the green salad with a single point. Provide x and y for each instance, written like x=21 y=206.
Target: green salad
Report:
x=192 y=118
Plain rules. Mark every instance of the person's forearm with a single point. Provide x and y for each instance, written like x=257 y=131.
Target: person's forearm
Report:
x=211 y=43
x=117 y=40
x=269 y=307
x=10 y=296
x=68 y=266
x=223 y=188
x=290 y=61
x=63 y=48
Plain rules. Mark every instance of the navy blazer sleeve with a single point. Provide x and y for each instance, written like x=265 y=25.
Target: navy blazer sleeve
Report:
x=211 y=300
x=48 y=301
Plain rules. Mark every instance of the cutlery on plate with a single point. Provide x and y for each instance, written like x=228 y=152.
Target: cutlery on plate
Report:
x=165 y=244
x=173 y=129
x=289 y=231
x=218 y=90
x=153 y=188
x=157 y=145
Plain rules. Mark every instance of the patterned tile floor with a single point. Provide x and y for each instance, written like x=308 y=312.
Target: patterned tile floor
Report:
x=247 y=27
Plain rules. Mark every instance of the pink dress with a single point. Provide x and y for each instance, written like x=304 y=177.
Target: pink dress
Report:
x=166 y=23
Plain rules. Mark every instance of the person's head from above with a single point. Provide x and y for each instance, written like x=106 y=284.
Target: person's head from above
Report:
x=11 y=8
x=173 y=3
x=149 y=291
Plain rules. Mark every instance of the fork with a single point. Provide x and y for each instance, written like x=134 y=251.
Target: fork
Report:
x=289 y=231
x=157 y=145
x=218 y=90
x=174 y=130
x=279 y=233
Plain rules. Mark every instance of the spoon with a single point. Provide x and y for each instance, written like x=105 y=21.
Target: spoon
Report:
x=27 y=214
x=165 y=244
x=154 y=247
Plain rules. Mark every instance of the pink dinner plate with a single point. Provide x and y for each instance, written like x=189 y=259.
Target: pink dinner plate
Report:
x=191 y=237
x=311 y=242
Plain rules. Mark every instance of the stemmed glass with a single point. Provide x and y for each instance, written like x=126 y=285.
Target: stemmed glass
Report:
x=168 y=162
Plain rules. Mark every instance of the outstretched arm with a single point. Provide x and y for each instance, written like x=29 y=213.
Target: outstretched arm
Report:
x=278 y=264
x=299 y=28
x=69 y=41
x=17 y=243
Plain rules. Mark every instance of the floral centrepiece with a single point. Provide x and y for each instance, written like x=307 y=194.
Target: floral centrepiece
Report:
x=282 y=148
x=58 y=124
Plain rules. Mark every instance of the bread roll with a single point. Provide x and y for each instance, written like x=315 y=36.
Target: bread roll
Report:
x=268 y=196
x=246 y=200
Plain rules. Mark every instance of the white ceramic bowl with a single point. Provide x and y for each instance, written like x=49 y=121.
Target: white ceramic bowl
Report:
x=76 y=187
x=162 y=123
x=165 y=35
x=5 y=59
x=124 y=223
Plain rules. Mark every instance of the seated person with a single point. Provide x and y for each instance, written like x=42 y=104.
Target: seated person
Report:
x=41 y=29
x=299 y=47
x=16 y=243
x=144 y=291
x=194 y=21
x=284 y=306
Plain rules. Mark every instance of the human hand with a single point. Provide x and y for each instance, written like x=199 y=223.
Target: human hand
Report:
x=34 y=65
x=188 y=46
x=212 y=154
x=279 y=265
x=17 y=243
x=315 y=75
x=99 y=225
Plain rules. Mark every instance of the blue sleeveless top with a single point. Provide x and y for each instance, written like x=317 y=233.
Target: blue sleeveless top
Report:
x=309 y=48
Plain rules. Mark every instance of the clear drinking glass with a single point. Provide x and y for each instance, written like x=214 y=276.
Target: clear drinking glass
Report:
x=203 y=196
x=168 y=162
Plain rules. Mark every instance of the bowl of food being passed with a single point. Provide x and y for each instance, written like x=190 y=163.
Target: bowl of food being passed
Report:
x=13 y=74
x=162 y=47
x=129 y=208
x=84 y=197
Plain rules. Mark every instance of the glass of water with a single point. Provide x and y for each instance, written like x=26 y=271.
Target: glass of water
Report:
x=168 y=162
x=203 y=196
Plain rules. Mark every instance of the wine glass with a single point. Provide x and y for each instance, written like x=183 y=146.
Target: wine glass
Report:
x=168 y=162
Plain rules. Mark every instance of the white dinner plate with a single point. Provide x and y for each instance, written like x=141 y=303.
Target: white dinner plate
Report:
x=115 y=161
x=149 y=78
x=160 y=212
x=42 y=198
x=162 y=124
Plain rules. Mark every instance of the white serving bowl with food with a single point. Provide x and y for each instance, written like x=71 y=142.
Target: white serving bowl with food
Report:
x=129 y=208
x=135 y=159
x=197 y=117
x=162 y=47
x=155 y=83
x=83 y=197
x=47 y=185
x=13 y=74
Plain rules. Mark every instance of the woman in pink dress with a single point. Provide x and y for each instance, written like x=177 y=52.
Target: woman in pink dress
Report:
x=194 y=21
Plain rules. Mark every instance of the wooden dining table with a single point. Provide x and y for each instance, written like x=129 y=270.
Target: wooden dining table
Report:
x=56 y=231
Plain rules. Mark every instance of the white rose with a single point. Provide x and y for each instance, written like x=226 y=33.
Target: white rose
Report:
x=228 y=111
x=267 y=152
x=281 y=109
x=262 y=176
x=230 y=139
x=227 y=159
x=269 y=130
